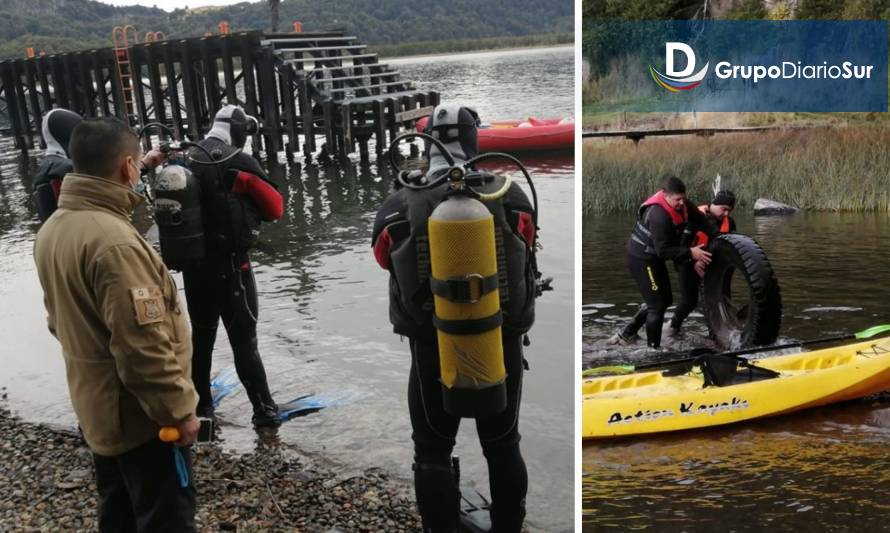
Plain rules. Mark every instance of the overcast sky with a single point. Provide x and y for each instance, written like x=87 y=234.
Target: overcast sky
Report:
x=170 y=5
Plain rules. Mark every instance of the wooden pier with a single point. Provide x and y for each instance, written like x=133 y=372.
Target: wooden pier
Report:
x=637 y=135
x=307 y=89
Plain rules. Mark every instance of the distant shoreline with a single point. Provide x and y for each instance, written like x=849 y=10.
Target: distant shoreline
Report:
x=465 y=46
x=481 y=50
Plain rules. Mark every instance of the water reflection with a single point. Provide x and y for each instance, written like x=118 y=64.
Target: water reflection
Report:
x=817 y=471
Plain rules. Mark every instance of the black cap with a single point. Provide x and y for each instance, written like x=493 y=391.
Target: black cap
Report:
x=724 y=197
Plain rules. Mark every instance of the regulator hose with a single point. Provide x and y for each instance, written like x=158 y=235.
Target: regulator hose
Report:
x=488 y=197
x=413 y=135
x=417 y=135
x=450 y=159
x=518 y=163
x=155 y=125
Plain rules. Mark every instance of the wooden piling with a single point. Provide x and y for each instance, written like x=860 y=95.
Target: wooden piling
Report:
x=27 y=131
x=159 y=107
x=190 y=91
x=31 y=82
x=172 y=90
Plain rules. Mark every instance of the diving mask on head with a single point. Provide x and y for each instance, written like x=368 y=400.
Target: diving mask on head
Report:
x=455 y=127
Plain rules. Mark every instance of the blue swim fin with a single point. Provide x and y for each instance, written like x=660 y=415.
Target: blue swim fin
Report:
x=300 y=406
x=223 y=384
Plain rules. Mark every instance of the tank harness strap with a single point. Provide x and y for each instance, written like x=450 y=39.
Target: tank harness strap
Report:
x=468 y=289
x=649 y=249
x=176 y=216
x=642 y=236
x=473 y=326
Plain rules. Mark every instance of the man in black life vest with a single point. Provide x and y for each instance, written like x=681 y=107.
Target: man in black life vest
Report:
x=657 y=237
x=58 y=124
x=717 y=221
x=236 y=196
x=401 y=246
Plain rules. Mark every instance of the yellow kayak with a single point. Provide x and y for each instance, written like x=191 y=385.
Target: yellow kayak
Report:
x=650 y=402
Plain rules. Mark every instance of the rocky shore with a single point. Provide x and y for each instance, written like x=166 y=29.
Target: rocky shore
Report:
x=47 y=481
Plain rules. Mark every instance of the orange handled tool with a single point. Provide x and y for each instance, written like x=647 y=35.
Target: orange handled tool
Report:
x=168 y=434
x=171 y=434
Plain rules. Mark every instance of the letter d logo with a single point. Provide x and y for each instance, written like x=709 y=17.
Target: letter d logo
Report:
x=678 y=80
x=670 y=52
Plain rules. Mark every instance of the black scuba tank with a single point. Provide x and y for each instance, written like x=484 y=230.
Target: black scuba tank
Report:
x=177 y=211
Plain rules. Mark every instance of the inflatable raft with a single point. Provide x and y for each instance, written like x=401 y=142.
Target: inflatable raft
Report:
x=655 y=402
x=528 y=135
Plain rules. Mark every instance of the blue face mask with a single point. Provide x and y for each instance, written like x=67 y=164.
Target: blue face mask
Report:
x=140 y=187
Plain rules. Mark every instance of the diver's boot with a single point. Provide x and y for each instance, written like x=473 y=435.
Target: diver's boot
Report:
x=671 y=331
x=253 y=376
x=438 y=496
x=628 y=335
x=619 y=339
x=266 y=416
x=508 y=481
x=507 y=522
x=265 y=410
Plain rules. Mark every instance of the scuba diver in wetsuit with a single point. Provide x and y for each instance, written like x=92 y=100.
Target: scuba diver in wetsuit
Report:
x=658 y=237
x=236 y=196
x=405 y=243
x=57 y=127
x=716 y=222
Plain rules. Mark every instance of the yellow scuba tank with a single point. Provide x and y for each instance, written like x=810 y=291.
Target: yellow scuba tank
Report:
x=467 y=317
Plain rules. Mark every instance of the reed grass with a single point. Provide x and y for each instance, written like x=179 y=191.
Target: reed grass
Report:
x=828 y=169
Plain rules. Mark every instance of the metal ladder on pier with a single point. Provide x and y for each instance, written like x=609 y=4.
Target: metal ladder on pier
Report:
x=120 y=39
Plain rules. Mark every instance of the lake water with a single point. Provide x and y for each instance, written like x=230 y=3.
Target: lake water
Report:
x=323 y=299
x=823 y=470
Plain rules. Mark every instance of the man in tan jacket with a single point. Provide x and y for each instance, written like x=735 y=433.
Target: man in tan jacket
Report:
x=124 y=334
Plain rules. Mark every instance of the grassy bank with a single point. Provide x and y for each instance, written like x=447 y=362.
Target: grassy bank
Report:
x=595 y=119
x=835 y=169
x=471 y=45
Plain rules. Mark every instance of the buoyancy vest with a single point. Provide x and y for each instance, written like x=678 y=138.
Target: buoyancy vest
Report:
x=230 y=214
x=701 y=238
x=641 y=234
x=400 y=243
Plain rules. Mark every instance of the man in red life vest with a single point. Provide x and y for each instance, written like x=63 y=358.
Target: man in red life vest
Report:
x=717 y=221
x=657 y=237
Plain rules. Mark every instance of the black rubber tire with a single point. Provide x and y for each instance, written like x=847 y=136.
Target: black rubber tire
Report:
x=757 y=322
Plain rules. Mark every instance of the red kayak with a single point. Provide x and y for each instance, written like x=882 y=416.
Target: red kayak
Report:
x=529 y=135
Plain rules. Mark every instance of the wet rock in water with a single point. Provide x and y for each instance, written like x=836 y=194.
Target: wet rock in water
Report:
x=274 y=489
x=764 y=207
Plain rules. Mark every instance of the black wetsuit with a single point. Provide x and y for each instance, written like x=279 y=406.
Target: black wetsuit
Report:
x=689 y=279
x=222 y=284
x=434 y=437
x=47 y=182
x=647 y=262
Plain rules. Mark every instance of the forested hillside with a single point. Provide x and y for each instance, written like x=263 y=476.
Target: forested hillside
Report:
x=59 y=25
x=736 y=9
